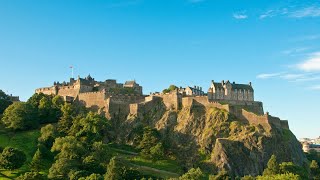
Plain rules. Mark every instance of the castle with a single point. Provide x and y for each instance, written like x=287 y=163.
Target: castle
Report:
x=116 y=99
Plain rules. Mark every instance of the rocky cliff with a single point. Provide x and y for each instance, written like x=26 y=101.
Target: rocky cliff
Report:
x=213 y=138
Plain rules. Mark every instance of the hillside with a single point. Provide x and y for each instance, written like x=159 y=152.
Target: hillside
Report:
x=68 y=141
x=215 y=139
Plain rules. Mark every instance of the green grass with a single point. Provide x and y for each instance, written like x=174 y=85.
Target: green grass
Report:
x=165 y=165
x=25 y=141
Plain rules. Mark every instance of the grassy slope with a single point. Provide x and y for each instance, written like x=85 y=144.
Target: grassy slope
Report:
x=25 y=141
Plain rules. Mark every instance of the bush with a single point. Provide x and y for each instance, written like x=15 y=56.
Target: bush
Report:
x=31 y=176
x=12 y=158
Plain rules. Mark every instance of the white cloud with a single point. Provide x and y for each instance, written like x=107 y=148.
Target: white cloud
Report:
x=312 y=11
x=269 y=75
x=269 y=13
x=240 y=16
x=311 y=64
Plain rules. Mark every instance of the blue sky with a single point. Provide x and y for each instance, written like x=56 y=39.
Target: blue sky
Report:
x=274 y=44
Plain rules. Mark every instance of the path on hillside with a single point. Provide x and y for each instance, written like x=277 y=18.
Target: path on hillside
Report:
x=158 y=171
x=147 y=168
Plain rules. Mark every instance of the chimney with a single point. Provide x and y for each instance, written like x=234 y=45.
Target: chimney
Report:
x=250 y=84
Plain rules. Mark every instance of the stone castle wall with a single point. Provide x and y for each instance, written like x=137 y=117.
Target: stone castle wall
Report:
x=92 y=99
x=47 y=90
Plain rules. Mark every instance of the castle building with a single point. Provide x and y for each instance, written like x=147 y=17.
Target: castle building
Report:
x=226 y=91
x=192 y=91
x=88 y=84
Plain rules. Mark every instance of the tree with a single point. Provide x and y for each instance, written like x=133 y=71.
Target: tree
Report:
x=222 y=175
x=90 y=129
x=193 y=173
x=20 y=116
x=272 y=166
x=34 y=100
x=12 y=158
x=57 y=102
x=288 y=176
x=61 y=168
x=31 y=176
x=315 y=170
x=48 y=135
x=47 y=112
x=93 y=177
x=171 y=88
x=4 y=101
x=65 y=122
x=289 y=167
x=157 y=152
x=69 y=147
x=114 y=171
x=37 y=161
x=151 y=137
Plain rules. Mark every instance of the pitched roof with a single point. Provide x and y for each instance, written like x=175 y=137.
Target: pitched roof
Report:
x=130 y=83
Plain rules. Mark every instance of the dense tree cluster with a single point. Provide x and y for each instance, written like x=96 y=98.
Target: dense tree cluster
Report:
x=39 y=109
x=12 y=158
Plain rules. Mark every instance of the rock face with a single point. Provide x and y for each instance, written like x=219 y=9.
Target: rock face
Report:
x=215 y=139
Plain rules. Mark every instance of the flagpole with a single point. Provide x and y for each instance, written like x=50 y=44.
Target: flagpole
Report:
x=71 y=71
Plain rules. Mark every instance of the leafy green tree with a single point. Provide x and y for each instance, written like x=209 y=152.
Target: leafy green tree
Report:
x=4 y=101
x=12 y=158
x=48 y=135
x=65 y=122
x=31 y=176
x=315 y=170
x=91 y=128
x=288 y=176
x=289 y=167
x=69 y=147
x=248 y=177
x=193 y=173
x=78 y=174
x=61 y=168
x=272 y=167
x=313 y=155
x=37 y=163
x=171 y=88
x=114 y=171
x=34 y=100
x=20 y=116
x=150 y=139
x=93 y=165
x=157 y=152
x=93 y=177
x=57 y=102
x=222 y=175
x=47 y=112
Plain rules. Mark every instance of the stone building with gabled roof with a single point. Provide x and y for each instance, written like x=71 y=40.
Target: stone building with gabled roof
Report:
x=226 y=91
x=135 y=86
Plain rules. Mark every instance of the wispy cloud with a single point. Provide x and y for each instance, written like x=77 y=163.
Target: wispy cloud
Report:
x=312 y=11
x=295 y=51
x=269 y=75
x=316 y=87
x=240 y=15
x=308 y=37
x=292 y=12
x=311 y=64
